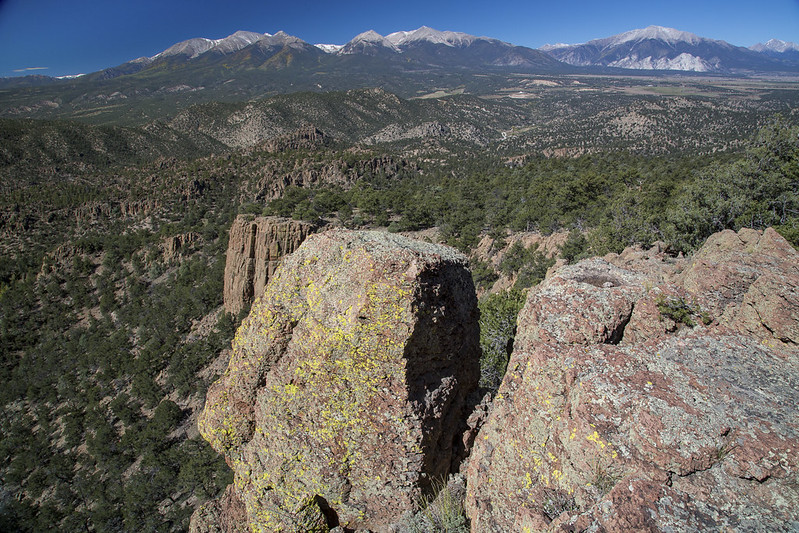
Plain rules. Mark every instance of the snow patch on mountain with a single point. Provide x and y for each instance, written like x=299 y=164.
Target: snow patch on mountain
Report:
x=329 y=48
x=684 y=61
x=427 y=34
x=556 y=46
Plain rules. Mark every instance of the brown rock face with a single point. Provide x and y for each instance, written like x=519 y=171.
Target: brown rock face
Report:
x=679 y=428
x=346 y=391
x=176 y=245
x=255 y=248
x=225 y=515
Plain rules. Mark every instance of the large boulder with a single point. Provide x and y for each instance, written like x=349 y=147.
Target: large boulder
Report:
x=590 y=302
x=750 y=281
x=346 y=393
x=255 y=248
x=644 y=405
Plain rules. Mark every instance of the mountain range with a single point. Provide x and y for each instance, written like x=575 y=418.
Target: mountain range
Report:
x=659 y=48
x=779 y=49
x=247 y=65
x=652 y=48
x=405 y=50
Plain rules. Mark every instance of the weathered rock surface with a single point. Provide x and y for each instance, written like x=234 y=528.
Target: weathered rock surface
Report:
x=674 y=427
x=224 y=515
x=749 y=281
x=346 y=392
x=255 y=249
x=587 y=303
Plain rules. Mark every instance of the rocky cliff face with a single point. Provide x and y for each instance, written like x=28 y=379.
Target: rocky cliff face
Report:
x=255 y=248
x=646 y=393
x=346 y=392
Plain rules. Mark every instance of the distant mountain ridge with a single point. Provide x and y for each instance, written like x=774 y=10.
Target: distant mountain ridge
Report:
x=247 y=65
x=778 y=49
x=660 y=48
x=420 y=47
x=652 y=48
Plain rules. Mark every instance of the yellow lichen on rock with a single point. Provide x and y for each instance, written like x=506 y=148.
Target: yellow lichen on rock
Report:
x=347 y=382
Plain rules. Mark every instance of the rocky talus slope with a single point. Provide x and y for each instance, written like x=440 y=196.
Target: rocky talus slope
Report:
x=646 y=393
x=255 y=248
x=346 y=393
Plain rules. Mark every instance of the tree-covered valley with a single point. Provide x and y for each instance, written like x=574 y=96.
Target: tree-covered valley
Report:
x=114 y=237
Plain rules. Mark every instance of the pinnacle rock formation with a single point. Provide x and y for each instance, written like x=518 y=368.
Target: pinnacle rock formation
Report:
x=255 y=248
x=650 y=393
x=345 y=397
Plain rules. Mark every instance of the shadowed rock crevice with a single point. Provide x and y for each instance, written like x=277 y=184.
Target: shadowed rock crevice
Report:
x=440 y=367
x=617 y=335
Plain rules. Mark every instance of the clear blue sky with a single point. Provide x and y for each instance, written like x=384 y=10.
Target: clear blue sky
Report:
x=78 y=36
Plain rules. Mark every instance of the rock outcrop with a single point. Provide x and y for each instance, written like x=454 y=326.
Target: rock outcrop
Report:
x=177 y=245
x=255 y=249
x=276 y=177
x=646 y=393
x=345 y=397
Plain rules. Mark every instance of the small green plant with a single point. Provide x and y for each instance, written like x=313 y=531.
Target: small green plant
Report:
x=443 y=513
x=723 y=450
x=604 y=477
x=682 y=312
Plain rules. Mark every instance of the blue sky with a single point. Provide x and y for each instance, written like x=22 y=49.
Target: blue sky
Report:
x=59 y=37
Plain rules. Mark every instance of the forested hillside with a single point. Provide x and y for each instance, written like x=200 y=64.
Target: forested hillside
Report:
x=113 y=251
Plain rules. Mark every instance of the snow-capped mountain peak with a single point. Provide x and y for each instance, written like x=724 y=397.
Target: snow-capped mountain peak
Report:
x=427 y=34
x=200 y=45
x=190 y=47
x=775 y=45
x=370 y=36
x=661 y=48
x=368 y=39
x=237 y=41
